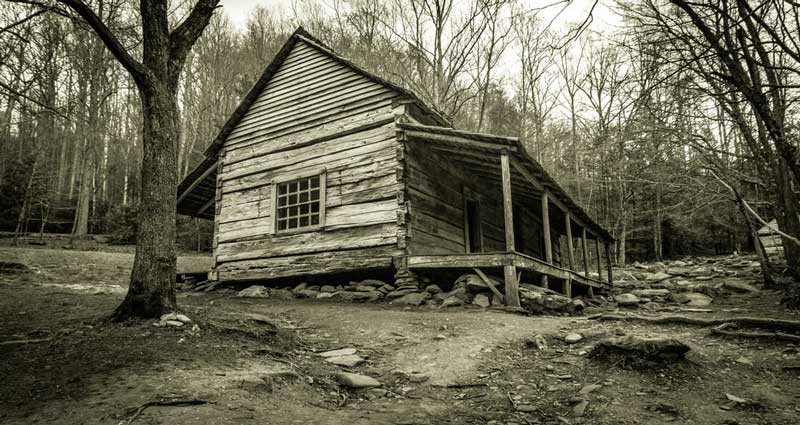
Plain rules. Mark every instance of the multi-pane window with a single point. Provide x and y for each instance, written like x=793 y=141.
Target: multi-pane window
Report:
x=298 y=203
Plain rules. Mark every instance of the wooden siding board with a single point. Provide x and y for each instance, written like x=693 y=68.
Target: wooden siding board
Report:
x=277 y=139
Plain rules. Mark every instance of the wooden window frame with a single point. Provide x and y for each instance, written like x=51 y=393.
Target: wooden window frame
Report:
x=288 y=177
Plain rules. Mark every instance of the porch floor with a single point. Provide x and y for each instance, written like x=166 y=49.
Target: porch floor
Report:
x=500 y=259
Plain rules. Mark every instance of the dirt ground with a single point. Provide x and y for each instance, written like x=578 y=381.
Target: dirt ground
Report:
x=438 y=366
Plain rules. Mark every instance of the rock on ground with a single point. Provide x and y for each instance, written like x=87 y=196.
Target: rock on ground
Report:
x=340 y=352
x=255 y=291
x=354 y=380
x=626 y=299
x=481 y=300
x=347 y=361
x=414 y=298
x=637 y=350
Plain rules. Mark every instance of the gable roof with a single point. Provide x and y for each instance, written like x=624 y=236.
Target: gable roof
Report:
x=301 y=35
x=204 y=175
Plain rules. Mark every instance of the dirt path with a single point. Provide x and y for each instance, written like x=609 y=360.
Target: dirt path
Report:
x=85 y=370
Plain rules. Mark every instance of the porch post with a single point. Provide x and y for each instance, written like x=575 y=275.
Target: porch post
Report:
x=608 y=262
x=585 y=253
x=509 y=271
x=599 y=258
x=548 y=246
x=571 y=256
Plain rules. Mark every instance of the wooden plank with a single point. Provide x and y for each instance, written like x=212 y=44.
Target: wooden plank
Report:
x=508 y=208
x=608 y=263
x=308 y=242
x=568 y=287
x=460 y=260
x=379 y=257
x=570 y=249
x=457 y=140
x=198 y=181
x=512 y=286
x=489 y=283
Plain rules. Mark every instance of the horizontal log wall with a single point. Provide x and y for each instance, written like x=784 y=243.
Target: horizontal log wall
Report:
x=435 y=186
x=315 y=114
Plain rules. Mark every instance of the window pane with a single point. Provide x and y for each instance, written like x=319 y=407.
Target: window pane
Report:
x=298 y=203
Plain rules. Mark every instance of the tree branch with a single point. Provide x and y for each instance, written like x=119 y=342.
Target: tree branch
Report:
x=184 y=36
x=134 y=67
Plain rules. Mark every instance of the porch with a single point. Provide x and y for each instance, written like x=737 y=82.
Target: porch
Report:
x=557 y=242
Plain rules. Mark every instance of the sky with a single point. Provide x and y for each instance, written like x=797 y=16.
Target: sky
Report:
x=575 y=12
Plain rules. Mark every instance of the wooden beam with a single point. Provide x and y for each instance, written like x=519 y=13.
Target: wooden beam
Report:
x=568 y=225
x=197 y=181
x=608 y=263
x=568 y=287
x=548 y=246
x=512 y=286
x=206 y=205
x=585 y=252
x=489 y=283
x=508 y=207
x=457 y=140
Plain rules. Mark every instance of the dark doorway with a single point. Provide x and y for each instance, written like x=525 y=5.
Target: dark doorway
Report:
x=474 y=235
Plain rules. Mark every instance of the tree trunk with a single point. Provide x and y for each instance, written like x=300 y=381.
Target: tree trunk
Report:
x=762 y=255
x=787 y=217
x=152 y=286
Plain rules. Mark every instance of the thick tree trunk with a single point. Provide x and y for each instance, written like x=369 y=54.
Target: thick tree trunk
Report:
x=787 y=217
x=152 y=286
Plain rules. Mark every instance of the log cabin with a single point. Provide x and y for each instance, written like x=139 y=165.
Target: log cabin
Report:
x=325 y=168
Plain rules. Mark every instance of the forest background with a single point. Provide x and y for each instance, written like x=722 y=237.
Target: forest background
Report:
x=637 y=118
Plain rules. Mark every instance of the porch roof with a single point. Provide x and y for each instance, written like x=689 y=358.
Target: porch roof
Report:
x=480 y=153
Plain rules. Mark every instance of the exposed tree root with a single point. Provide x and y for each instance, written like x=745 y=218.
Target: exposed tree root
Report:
x=743 y=322
x=775 y=336
x=167 y=402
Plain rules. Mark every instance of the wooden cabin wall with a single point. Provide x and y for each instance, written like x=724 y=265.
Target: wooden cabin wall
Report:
x=435 y=193
x=315 y=113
